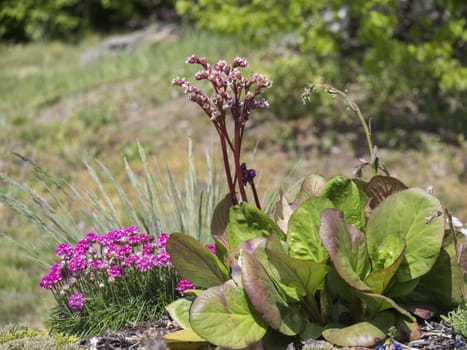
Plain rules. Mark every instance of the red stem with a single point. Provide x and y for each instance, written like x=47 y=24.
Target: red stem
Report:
x=225 y=156
x=255 y=194
x=238 y=170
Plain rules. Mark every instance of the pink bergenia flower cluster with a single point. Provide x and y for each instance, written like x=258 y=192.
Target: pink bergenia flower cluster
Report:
x=231 y=89
x=234 y=95
x=99 y=261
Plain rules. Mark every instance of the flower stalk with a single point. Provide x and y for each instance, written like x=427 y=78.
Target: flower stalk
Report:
x=354 y=108
x=234 y=93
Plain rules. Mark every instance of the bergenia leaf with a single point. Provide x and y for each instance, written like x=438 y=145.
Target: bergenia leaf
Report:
x=245 y=221
x=381 y=187
x=179 y=311
x=219 y=226
x=380 y=276
x=346 y=196
x=346 y=246
x=185 y=339
x=302 y=236
x=220 y=216
x=446 y=273
x=223 y=316
x=282 y=212
x=415 y=216
x=311 y=187
x=462 y=256
x=307 y=274
x=252 y=246
x=376 y=303
x=358 y=335
x=269 y=300
x=195 y=262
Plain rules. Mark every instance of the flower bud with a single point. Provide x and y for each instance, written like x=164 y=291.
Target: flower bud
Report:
x=240 y=62
x=192 y=59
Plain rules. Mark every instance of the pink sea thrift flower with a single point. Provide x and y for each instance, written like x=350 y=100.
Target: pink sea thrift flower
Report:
x=54 y=276
x=184 y=285
x=163 y=259
x=76 y=302
x=115 y=272
x=162 y=240
x=77 y=264
x=64 y=251
x=212 y=248
x=146 y=262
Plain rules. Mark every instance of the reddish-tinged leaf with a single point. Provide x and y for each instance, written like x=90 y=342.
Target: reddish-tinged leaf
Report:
x=381 y=187
x=269 y=300
x=346 y=246
x=195 y=262
x=223 y=316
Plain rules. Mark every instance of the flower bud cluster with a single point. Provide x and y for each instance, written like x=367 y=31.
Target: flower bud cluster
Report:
x=247 y=175
x=235 y=95
x=231 y=90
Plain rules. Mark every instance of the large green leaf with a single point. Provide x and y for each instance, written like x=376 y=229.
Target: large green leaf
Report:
x=270 y=301
x=346 y=246
x=302 y=236
x=376 y=303
x=358 y=334
x=346 y=197
x=222 y=315
x=308 y=274
x=185 y=339
x=411 y=215
x=179 y=311
x=442 y=287
x=246 y=221
x=253 y=245
x=305 y=277
x=362 y=334
x=380 y=276
x=195 y=262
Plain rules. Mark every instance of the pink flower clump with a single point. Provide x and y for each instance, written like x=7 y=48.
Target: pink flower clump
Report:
x=119 y=256
x=98 y=260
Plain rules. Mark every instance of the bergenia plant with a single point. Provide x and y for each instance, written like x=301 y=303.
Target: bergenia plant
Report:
x=107 y=280
x=234 y=97
x=351 y=261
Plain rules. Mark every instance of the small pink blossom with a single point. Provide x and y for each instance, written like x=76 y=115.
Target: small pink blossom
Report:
x=162 y=240
x=116 y=272
x=76 y=302
x=212 y=248
x=183 y=286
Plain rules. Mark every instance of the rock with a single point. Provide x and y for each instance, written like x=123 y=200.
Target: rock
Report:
x=128 y=42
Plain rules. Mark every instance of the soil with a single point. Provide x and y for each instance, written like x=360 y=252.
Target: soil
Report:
x=434 y=335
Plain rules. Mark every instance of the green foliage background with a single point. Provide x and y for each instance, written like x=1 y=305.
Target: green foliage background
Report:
x=25 y=20
x=392 y=50
x=403 y=57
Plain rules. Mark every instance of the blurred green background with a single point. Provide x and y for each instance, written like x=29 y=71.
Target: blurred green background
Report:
x=81 y=80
